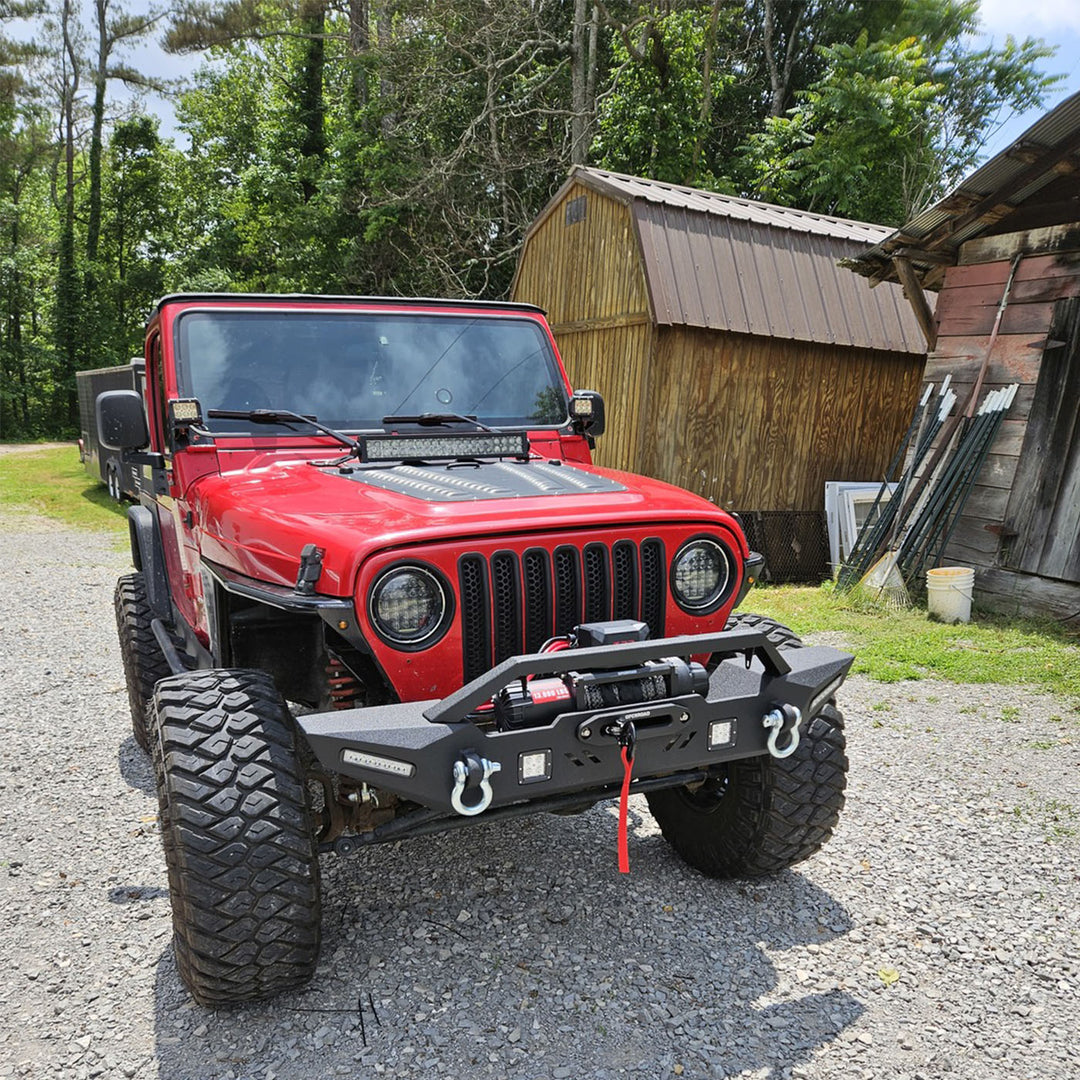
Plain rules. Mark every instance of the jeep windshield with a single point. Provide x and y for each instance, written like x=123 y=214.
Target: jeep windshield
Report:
x=350 y=369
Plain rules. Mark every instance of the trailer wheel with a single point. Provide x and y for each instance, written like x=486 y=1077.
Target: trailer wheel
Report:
x=761 y=815
x=112 y=481
x=238 y=835
x=144 y=662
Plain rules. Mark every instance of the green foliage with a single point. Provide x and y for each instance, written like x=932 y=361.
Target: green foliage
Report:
x=860 y=143
x=138 y=233
x=409 y=153
x=890 y=124
x=651 y=121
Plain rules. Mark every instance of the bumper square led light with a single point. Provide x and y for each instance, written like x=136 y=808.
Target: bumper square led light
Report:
x=533 y=766
x=721 y=733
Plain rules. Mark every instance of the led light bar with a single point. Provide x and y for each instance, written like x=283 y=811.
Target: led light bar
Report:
x=445 y=447
x=379 y=764
x=823 y=697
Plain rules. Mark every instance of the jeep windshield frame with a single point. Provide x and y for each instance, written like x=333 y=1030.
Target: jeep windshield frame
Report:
x=353 y=367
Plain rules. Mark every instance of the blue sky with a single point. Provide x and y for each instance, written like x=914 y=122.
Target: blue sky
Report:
x=1058 y=23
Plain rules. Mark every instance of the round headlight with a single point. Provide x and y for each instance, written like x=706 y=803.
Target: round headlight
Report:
x=408 y=606
x=700 y=573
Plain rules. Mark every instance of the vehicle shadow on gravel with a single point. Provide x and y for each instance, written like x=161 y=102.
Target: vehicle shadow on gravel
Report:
x=517 y=950
x=134 y=766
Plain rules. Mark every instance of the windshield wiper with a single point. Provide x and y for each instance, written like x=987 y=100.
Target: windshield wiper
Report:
x=433 y=419
x=282 y=416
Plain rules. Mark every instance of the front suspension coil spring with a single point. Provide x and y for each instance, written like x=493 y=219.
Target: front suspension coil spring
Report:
x=345 y=687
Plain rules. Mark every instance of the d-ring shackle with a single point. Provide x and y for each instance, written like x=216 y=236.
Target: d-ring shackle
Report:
x=775 y=721
x=464 y=767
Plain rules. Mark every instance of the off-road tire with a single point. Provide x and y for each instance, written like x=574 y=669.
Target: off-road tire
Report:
x=781 y=636
x=144 y=662
x=239 y=840
x=763 y=814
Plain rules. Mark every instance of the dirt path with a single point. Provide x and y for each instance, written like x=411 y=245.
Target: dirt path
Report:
x=28 y=448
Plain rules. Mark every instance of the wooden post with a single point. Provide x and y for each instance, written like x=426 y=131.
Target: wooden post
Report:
x=917 y=298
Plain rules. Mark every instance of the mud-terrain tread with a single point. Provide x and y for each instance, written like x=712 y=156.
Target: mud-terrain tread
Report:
x=774 y=812
x=238 y=837
x=780 y=635
x=144 y=662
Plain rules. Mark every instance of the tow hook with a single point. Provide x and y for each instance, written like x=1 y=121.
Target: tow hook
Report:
x=471 y=770
x=785 y=718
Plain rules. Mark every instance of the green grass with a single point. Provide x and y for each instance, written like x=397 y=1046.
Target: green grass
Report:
x=891 y=646
x=55 y=484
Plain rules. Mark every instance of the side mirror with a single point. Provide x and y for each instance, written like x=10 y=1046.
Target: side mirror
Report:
x=587 y=413
x=121 y=421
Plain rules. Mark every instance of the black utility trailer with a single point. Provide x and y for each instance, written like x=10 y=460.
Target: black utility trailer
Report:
x=121 y=478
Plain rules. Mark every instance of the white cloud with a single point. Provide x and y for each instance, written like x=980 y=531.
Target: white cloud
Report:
x=1039 y=18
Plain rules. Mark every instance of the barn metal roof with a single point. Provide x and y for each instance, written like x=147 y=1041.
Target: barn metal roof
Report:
x=725 y=263
x=712 y=202
x=983 y=202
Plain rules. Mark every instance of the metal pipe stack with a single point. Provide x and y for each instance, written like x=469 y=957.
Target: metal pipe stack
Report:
x=924 y=542
x=880 y=526
x=919 y=539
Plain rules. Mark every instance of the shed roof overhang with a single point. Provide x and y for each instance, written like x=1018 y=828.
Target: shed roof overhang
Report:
x=1033 y=183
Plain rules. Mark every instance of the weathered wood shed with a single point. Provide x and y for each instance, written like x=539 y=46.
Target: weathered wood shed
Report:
x=735 y=358
x=1008 y=238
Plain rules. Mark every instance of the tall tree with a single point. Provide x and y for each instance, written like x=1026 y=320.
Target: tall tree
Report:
x=892 y=123
x=115 y=29
x=657 y=114
x=67 y=80
x=24 y=154
x=138 y=226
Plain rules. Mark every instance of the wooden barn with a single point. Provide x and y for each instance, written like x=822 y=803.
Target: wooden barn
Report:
x=735 y=358
x=1008 y=240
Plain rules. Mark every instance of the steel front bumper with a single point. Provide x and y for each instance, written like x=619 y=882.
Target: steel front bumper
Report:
x=413 y=748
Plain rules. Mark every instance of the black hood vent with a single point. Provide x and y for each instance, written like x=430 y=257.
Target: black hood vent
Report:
x=476 y=481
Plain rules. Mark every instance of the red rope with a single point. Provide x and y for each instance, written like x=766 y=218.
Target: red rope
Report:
x=624 y=802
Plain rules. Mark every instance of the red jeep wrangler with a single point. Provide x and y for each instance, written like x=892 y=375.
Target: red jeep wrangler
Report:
x=381 y=591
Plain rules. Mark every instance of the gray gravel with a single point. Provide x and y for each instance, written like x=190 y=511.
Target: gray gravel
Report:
x=937 y=936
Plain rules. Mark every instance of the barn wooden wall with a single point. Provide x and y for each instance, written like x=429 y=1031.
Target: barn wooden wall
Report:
x=753 y=423
x=588 y=277
x=758 y=423
x=966 y=309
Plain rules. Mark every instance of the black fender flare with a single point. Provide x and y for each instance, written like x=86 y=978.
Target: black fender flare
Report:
x=148 y=557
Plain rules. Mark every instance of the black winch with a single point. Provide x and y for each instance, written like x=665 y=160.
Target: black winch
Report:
x=536 y=702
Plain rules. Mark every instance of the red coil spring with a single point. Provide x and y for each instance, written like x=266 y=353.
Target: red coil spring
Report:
x=345 y=687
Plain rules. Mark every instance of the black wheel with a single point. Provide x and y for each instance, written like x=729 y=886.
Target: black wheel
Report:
x=238 y=836
x=761 y=815
x=144 y=662
x=112 y=482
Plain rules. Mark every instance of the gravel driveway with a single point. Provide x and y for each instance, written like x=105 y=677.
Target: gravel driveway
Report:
x=937 y=936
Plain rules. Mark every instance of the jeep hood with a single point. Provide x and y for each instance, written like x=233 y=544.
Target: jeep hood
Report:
x=257 y=520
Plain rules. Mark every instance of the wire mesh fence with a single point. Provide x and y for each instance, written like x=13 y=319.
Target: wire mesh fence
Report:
x=795 y=544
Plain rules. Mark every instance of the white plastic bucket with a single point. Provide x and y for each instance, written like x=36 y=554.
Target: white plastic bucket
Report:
x=948 y=593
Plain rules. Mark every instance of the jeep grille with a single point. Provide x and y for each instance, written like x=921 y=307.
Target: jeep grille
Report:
x=512 y=604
